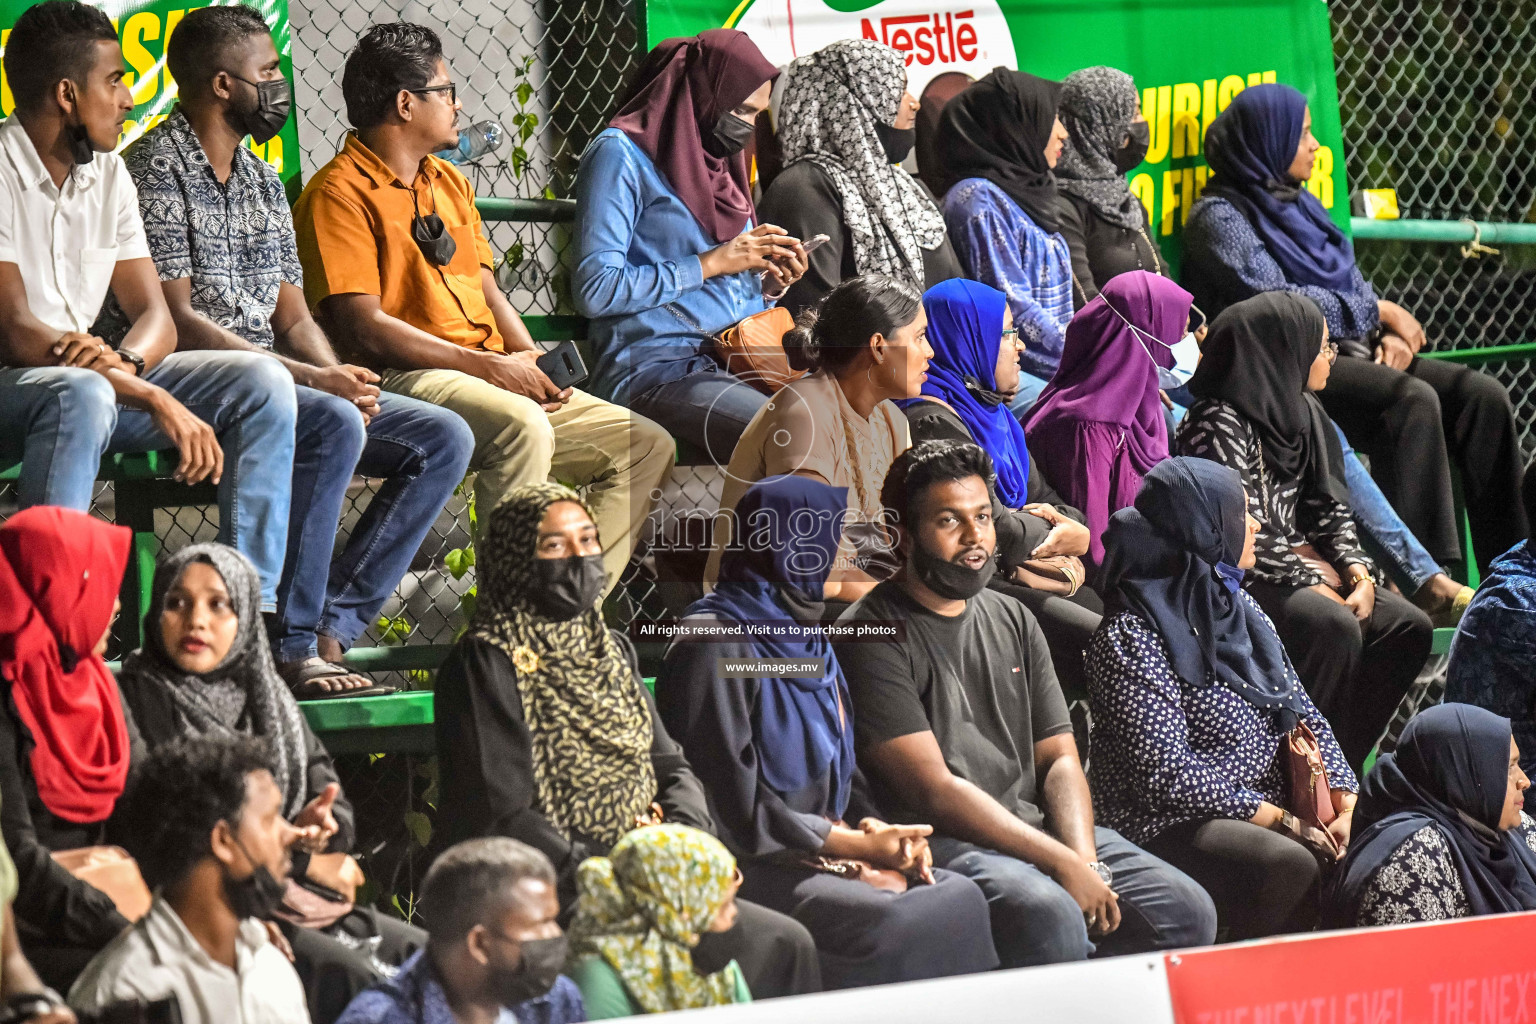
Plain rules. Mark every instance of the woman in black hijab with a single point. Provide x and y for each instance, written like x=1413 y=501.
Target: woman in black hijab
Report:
x=1357 y=650
x=998 y=141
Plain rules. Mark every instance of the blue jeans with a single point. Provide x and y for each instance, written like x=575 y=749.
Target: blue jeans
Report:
x=248 y=400
x=58 y=420
x=420 y=451
x=1384 y=534
x=1035 y=921
x=1030 y=387
x=709 y=409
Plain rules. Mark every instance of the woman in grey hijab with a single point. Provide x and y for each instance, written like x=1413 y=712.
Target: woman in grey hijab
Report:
x=206 y=670
x=1105 y=225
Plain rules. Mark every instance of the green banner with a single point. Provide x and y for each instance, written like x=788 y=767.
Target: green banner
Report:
x=1189 y=58
x=143 y=28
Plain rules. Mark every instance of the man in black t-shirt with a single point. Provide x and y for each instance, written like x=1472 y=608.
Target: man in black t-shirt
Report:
x=960 y=722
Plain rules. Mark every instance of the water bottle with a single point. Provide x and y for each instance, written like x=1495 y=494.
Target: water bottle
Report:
x=474 y=142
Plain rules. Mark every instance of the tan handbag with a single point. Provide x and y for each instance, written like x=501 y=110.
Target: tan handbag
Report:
x=753 y=350
x=110 y=869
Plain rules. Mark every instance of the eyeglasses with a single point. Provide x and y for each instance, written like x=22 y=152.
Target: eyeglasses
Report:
x=451 y=89
x=1011 y=337
x=1330 y=352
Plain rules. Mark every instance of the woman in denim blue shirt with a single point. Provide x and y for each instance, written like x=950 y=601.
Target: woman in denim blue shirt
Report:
x=666 y=250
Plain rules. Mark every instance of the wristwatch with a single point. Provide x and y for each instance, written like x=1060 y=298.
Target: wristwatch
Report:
x=1287 y=824
x=1102 y=870
x=134 y=358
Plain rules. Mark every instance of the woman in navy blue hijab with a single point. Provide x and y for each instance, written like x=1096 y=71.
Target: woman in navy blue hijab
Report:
x=1259 y=228
x=775 y=753
x=1439 y=830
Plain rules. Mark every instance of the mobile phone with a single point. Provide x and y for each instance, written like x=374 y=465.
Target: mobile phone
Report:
x=562 y=365
x=809 y=244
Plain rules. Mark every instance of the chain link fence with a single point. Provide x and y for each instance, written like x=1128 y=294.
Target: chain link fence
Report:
x=1436 y=102
x=1436 y=99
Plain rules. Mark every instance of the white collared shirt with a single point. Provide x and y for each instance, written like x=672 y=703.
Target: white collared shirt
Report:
x=158 y=957
x=66 y=241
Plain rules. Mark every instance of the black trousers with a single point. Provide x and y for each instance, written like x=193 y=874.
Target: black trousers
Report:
x=1261 y=882
x=1406 y=420
x=776 y=953
x=1355 y=676
x=336 y=964
x=1068 y=623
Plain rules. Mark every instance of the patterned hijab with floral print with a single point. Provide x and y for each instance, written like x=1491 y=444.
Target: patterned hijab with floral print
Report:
x=644 y=907
x=833 y=100
x=589 y=726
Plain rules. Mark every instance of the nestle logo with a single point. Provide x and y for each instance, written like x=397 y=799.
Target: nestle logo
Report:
x=944 y=36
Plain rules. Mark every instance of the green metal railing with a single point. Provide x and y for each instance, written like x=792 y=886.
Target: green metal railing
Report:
x=1443 y=231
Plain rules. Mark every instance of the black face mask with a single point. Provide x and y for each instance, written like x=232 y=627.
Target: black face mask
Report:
x=1139 y=137
x=432 y=238
x=274 y=100
x=535 y=975
x=897 y=142
x=986 y=396
x=950 y=580
x=730 y=135
x=567 y=586
x=258 y=895
x=80 y=148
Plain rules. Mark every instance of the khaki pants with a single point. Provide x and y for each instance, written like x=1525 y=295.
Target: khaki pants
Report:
x=620 y=458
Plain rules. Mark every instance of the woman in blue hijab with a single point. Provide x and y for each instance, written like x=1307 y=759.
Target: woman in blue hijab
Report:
x=1440 y=831
x=972 y=378
x=775 y=753
x=1258 y=228
x=1192 y=696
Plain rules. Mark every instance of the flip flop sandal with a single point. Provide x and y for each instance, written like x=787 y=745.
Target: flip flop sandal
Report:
x=304 y=677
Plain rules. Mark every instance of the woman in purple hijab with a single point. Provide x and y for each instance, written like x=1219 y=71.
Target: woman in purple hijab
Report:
x=1098 y=427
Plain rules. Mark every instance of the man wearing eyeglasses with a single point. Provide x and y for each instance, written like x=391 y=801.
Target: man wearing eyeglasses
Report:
x=398 y=271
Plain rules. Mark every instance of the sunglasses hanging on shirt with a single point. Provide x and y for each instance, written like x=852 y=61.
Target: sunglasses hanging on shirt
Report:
x=432 y=237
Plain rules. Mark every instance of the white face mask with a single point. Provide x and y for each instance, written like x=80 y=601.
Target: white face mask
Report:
x=1186 y=353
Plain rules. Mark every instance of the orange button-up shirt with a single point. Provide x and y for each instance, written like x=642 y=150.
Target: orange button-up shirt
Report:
x=354 y=233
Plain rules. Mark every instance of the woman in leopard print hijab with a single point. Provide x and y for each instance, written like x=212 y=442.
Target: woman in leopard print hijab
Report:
x=589 y=726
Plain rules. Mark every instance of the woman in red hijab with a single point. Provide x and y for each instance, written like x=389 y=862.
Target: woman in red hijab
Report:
x=64 y=737
x=668 y=251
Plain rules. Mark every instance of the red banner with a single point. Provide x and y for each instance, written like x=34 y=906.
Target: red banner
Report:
x=1480 y=971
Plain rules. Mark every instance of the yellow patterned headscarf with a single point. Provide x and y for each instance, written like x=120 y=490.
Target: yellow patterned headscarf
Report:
x=589 y=726
x=645 y=906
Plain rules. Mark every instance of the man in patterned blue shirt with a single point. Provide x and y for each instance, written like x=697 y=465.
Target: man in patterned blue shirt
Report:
x=495 y=951
x=222 y=239
x=1493 y=658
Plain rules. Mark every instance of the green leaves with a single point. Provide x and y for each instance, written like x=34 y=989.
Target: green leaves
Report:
x=460 y=560
x=393 y=630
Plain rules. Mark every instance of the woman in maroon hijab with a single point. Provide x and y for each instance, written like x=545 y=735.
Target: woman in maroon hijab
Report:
x=667 y=248
x=1098 y=427
x=64 y=737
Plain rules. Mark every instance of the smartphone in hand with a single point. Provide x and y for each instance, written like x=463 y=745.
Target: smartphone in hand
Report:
x=563 y=366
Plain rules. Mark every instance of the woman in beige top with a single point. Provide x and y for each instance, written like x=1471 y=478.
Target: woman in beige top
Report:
x=867 y=345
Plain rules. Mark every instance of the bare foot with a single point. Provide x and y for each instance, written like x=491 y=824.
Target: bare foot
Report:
x=1438 y=594
x=1444 y=599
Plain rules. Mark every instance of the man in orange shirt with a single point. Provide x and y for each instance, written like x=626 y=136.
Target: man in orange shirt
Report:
x=398 y=270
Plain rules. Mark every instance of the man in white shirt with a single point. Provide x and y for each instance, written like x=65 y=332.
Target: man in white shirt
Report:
x=70 y=231
x=203 y=818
